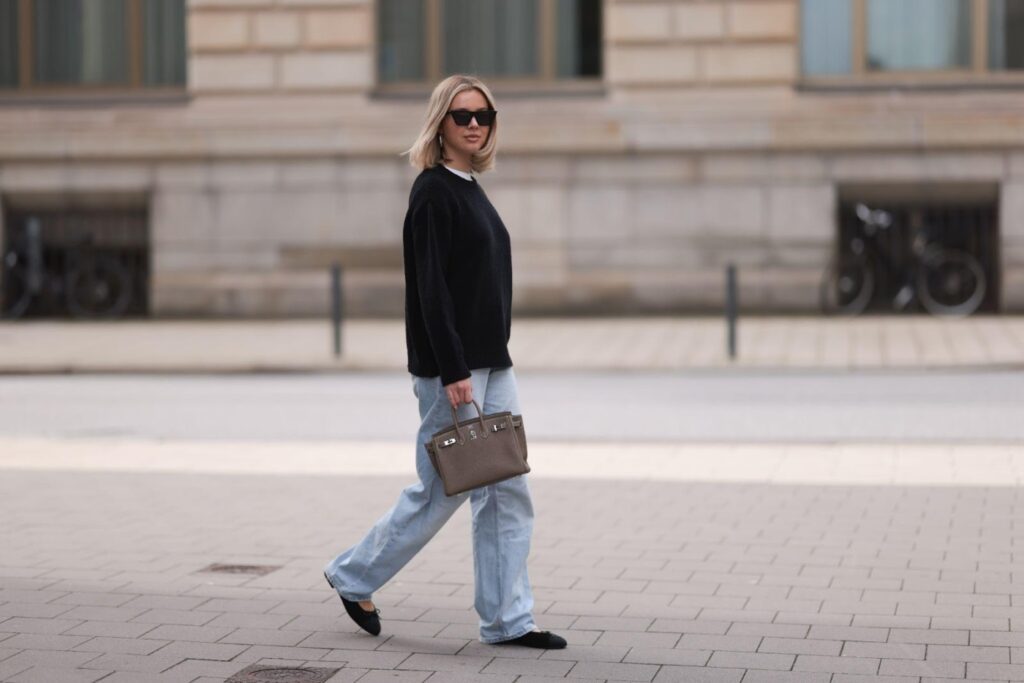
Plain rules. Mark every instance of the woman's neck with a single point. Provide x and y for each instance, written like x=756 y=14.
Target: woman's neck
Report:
x=459 y=163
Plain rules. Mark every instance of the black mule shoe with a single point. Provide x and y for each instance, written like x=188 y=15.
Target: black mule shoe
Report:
x=542 y=640
x=369 y=621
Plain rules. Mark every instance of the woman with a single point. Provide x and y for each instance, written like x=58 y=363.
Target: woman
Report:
x=458 y=296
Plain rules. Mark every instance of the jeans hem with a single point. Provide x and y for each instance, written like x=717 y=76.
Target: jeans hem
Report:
x=492 y=641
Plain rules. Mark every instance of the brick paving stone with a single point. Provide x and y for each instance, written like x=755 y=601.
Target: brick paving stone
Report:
x=1011 y=672
x=884 y=650
x=47 y=674
x=968 y=653
x=697 y=674
x=424 y=662
x=652 y=655
x=756 y=676
x=853 y=665
x=32 y=641
x=920 y=635
x=751 y=660
x=857 y=678
x=128 y=646
x=113 y=629
x=578 y=653
x=692 y=641
x=631 y=638
x=799 y=646
x=550 y=667
x=614 y=671
x=911 y=667
x=199 y=634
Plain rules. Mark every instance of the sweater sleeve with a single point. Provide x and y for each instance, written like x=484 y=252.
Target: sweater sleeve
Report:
x=432 y=241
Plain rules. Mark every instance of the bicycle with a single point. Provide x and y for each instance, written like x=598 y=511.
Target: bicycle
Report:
x=946 y=281
x=91 y=284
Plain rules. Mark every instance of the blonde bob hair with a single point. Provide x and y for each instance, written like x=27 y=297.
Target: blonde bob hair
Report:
x=427 y=151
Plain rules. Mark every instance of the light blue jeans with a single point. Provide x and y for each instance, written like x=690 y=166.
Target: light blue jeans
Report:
x=502 y=520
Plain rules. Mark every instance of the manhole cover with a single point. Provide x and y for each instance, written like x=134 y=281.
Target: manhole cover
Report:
x=254 y=569
x=263 y=673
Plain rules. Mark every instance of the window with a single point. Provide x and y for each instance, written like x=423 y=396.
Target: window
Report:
x=917 y=39
x=526 y=40
x=48 y=45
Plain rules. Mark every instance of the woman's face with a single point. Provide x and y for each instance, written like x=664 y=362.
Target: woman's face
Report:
x=465 y=141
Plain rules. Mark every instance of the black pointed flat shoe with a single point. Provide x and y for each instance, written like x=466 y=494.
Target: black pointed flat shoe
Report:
x=369 y=621
x=542 y=640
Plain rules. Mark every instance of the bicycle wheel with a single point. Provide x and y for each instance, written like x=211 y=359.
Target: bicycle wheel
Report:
x=950 y=282
x=101 y=289
x=847 y=286
x=16 y=295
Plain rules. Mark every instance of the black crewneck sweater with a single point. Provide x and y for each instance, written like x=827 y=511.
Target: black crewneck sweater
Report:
x=458 y=278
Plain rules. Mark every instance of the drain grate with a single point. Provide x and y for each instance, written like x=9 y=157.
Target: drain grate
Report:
x=264 y=673
x=251 y=569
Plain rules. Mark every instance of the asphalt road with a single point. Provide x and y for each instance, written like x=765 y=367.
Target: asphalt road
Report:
x=707 y=406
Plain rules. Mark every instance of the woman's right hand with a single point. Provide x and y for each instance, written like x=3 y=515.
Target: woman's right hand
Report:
x=460 y=392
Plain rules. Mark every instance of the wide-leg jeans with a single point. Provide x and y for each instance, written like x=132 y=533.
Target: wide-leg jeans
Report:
x=502 y=519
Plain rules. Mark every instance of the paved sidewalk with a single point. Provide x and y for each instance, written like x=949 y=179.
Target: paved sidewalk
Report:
x=569 y=344
x=811 y=563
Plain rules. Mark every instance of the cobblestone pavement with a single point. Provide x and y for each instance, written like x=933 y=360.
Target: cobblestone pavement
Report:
x=659 y=562
x=559 y=344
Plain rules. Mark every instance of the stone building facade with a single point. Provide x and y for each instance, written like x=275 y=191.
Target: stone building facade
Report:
x=702 y=142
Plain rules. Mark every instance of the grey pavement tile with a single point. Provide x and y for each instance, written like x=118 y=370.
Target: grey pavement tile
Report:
x=807 y=619
x=611 y=624
x=894 y=622
x=191 y=669
x=33 y=641
x=920 y=635
x=861 y=633
x=114 y=629
x=756 y=676
x=264 y=636
x=751 y=660
x=174 y=617
x=247 y=620
x=31 y=596
x=851 y=665
x=581 y=653
x=912 y=667
x=42 y=610
x=995 y=638
x=478 y=649
x=128 y=646
x=800 y=646
x=1011 y=672
x=47 y=674
x=218 y=651
x=152 y=663
x=38 y=626
x=716 y=614
x=658 y=655
x=697 y=674
x=362 y=659
x=773 y=630
x=49 y=658
x=425 y=662
x=968 y=653
x=698 y=641
x=395 y=677
x=199 y=634
x=436 y=645
x=857 y=678
x=504 y=665
x=244 y=606
x=971 y=623
x=457 y=677
x=94 y=599
x=628 y=638
x=884 y=650
x=617 y=672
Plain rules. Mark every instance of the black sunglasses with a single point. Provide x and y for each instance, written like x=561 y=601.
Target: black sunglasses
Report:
x=462 y=117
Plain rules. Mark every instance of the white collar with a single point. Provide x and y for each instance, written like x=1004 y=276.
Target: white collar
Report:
x=461 y=174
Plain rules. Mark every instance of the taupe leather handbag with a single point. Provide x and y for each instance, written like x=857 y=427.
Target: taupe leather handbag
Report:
x=479 y=451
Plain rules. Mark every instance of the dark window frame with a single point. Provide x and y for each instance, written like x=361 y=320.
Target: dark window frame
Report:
x=547 y=81
x=27 y=87
x=860 y=76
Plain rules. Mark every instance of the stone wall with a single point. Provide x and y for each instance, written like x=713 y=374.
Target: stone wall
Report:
x=701 y=151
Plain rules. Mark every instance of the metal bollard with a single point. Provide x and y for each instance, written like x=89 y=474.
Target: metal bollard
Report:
x=731 y=307
x=336 y=307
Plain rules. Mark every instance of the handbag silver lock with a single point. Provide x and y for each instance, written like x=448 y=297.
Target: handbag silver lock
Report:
x=447 y=442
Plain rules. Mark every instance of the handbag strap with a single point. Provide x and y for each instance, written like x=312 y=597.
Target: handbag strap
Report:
x=455 y=421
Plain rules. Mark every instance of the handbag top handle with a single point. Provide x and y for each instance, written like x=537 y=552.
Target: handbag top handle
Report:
x=455 y=421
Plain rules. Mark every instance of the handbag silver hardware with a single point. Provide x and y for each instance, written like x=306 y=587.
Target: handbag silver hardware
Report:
x=447 y=442
x=497 y=427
